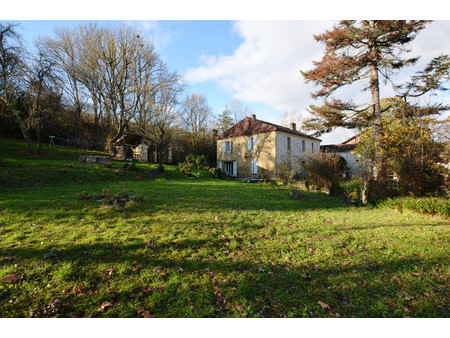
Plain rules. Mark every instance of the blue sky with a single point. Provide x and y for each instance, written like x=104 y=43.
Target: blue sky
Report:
x=256 y=61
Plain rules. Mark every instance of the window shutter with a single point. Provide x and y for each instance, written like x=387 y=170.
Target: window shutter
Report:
x=231 y=146
x=234 y=168
x=220 y=165
x=249 y=143
x=254 y=167
x=224 y=146
x=255 y=141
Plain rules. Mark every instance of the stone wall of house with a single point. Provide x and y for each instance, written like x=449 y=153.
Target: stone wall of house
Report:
x=295 y=156
x=264 y=154
x=353 y=164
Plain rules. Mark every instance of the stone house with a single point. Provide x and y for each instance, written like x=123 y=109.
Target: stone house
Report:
x=253 y=148
x=346 y=150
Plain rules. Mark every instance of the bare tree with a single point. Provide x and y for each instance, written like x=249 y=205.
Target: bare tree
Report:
x=292 y=116
x=158 y=114
x=195 y=116
x=39 y=89
x=238 y=110
x=116 y=65
x=12 y=72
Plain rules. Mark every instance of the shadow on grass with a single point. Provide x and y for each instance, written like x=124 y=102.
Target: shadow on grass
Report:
x=265 y=289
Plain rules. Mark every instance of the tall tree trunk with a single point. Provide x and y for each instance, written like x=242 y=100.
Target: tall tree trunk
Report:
x=378 y=124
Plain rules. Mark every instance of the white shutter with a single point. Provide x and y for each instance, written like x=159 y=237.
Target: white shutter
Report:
x=224 y=146
x=220 y=165
x=249 y=143
x=254 y=167
x=255 y=140
x=234 y=169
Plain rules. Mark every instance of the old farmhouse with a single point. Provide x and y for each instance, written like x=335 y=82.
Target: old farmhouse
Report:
x=255 y=148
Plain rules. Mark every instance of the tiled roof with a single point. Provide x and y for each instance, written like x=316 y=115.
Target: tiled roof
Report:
x=250 y=126
x=337 y=148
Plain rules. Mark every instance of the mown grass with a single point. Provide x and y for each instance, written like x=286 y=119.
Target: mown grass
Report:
x=206 y=248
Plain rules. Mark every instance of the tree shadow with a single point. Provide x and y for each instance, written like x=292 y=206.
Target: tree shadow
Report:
x=249 y=288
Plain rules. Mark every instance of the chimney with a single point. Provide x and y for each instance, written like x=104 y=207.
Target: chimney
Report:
x=253 y=117
x=293 y=126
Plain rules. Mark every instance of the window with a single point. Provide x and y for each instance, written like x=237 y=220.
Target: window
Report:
x=229 y=167
x=312 y=147
x=251 y=144
x=303 y=146
x=226 y=146
x=254 y=167
x=288 y=143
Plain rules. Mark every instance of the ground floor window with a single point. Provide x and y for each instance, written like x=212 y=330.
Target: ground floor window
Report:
x=228 y=168
x=254 y=167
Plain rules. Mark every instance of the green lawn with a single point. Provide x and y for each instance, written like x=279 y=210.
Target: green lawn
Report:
x=205 y=247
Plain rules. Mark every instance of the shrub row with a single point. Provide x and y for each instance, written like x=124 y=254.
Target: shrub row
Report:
x=429 y=205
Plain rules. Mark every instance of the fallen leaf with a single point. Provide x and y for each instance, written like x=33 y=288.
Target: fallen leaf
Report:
x=78 y=289
x=150 y=244
x=304 y=275
x=104 y=306
x=111 y=271
x=10 y=258
x=427 y=294
x=12 y=278
x=323 y=305
x=287 y=258
x=140 y=309
x=407 y=295
x=148 y=291
x=146 y=314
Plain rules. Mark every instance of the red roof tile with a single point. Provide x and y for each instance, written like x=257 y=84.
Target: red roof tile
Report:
x=250 y=126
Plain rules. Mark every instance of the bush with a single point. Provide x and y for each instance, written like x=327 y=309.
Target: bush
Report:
x=325 y=171
x=285 y=171
x=192 y=165
x=428 y=205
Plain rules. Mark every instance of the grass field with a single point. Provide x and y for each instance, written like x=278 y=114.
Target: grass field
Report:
x=205 y=247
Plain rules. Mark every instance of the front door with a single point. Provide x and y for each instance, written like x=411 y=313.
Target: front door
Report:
x=230 y=167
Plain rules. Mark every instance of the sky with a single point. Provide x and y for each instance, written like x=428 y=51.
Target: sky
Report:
x=255 y=61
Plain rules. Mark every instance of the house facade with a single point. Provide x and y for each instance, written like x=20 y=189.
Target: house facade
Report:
x=255 y=148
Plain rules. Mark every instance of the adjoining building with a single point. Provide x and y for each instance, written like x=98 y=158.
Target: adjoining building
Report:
x=346 y=150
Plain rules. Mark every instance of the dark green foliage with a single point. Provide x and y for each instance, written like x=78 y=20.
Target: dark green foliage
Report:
x=430 y=205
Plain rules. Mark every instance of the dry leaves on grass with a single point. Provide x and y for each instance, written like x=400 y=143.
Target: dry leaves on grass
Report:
x=111 y=271
x=12 y=278
x=144 y=313
x=323 y=305
x=104 y=306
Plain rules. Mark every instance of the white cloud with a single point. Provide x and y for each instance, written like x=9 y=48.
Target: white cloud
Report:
x=265 y=67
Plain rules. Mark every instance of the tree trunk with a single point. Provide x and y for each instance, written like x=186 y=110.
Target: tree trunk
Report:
x=39 y=141
x=378 y=124
x=24 y=131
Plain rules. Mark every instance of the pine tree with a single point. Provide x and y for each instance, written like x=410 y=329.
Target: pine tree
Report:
x=368 y=49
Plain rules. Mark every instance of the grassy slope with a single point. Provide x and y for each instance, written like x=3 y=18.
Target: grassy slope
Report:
x=204 y=248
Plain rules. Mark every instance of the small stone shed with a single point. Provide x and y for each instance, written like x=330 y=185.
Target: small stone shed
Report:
x=133 y=146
